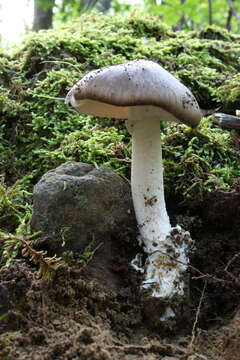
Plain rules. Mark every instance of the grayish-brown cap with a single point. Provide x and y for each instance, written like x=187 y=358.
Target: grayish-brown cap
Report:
x=112 y=90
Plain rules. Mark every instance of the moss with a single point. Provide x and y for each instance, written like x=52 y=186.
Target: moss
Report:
x=213 y=32
x=14 y=201
x=229 y=93
x=97 y=144
x=197 y=162
x=39 y=132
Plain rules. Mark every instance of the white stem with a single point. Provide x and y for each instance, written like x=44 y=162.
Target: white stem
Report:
x=163 y=244
x=147 y=178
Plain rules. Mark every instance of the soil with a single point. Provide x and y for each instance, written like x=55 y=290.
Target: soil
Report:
x=93 y=309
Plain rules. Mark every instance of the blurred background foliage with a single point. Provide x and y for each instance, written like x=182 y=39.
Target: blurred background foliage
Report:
x=180 y=14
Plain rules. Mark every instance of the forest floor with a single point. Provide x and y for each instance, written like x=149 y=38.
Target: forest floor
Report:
x=93 y=310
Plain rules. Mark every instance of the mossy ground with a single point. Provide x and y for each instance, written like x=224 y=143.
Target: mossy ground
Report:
x=39 y=132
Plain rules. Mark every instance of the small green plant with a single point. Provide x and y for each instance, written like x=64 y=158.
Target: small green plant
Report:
x=47 y=265
x=68 y=257
x=88 y=251
x=13 y=204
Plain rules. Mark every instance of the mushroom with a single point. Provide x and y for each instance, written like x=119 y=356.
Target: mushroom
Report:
x=143 y=93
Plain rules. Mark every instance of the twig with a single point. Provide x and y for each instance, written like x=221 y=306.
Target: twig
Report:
x=60 y=62
x=197 y=316
x=94 y=251
x=166 y=349
x=49 y=97
x=231 y=261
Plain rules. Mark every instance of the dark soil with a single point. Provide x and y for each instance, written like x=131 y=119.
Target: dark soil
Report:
x=94 y=310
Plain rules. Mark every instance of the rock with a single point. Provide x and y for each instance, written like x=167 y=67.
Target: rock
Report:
x=77 y=203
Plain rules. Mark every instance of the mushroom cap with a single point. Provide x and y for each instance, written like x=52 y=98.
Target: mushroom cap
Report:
x=112 y=91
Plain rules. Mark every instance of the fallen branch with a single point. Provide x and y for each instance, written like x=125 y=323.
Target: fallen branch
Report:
x=231 y=261
x=226 y=121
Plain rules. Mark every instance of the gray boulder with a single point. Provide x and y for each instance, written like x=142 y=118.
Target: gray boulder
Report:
x=77 y=203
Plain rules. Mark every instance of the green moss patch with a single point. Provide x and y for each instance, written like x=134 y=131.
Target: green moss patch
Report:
x=39 y=132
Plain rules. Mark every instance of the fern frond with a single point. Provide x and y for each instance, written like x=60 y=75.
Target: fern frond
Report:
x=47 y=265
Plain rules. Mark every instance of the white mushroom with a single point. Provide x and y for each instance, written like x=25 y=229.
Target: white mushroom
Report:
x=144 y=94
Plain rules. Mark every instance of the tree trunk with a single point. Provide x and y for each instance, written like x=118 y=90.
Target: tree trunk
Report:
x=229 y=19
x=210 y=12
x=104 y=5
x=88 y=4
x=101 y=5
x=43 y=14
x=232 y=12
